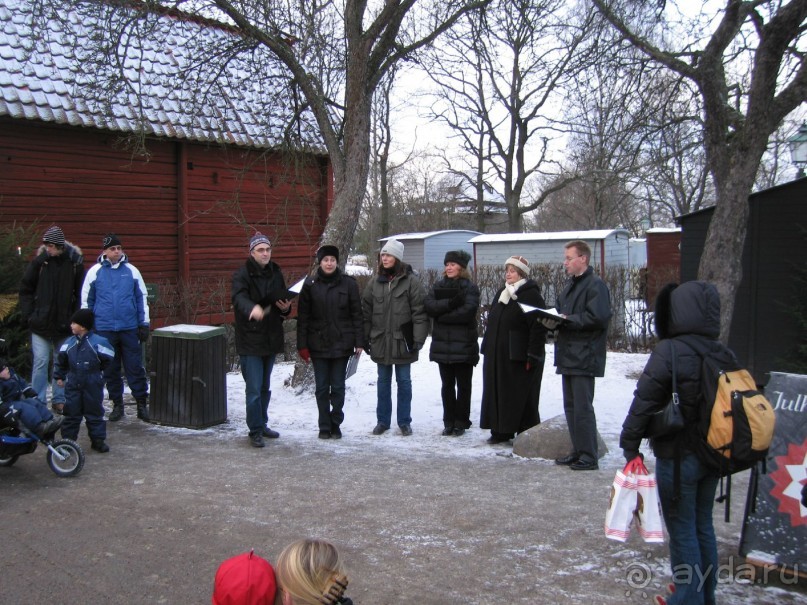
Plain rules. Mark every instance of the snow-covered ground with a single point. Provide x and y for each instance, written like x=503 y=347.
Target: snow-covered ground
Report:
x=294 y=414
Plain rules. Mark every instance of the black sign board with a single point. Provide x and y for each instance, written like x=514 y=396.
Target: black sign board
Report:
x=776 y=533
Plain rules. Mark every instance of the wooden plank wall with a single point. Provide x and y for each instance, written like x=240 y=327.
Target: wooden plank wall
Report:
x=83 y=181
x=663 y=262
x=89 y=184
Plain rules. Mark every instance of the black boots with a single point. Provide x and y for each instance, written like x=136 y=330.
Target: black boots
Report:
x=142 y=410
x=99 y=446
x=117 y=411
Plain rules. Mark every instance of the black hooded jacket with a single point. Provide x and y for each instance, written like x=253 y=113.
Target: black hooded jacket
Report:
x=454 y=329
x=692 y=309
x=51 y=291
x=253 y=285
x=329 y=317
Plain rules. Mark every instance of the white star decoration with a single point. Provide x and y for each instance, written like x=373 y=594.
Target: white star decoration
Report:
x=798 y=475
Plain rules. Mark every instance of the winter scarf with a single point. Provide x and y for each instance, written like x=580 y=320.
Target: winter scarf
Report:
x=510 y=291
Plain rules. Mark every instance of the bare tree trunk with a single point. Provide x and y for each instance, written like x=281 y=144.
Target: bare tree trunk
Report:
x=721 y=260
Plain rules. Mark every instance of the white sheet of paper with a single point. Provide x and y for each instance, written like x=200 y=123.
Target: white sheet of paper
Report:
x=298 y=286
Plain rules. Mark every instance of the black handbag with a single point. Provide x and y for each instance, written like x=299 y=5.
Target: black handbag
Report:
x=670 y=419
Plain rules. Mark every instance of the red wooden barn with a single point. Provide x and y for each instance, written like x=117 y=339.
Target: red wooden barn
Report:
x=212 y=175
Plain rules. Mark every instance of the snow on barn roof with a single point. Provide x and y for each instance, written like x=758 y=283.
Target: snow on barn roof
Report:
x=664 y=230
x=46 y=75
x=548 y=236
x=424 y=234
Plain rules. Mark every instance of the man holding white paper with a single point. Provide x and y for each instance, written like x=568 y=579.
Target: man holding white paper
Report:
x=260 y=303
x=580 y=337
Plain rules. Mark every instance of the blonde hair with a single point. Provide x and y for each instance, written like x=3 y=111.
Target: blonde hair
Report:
x=463 y=273
x=310 y=571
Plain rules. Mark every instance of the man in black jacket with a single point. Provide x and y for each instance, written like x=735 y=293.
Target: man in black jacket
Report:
x=259 y=305
x=580 y=338
x=49 y=295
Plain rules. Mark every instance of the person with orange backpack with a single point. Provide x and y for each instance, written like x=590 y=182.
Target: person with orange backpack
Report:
x=686 y=485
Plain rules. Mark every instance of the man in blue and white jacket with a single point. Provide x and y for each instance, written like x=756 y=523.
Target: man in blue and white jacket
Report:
x=115 y=292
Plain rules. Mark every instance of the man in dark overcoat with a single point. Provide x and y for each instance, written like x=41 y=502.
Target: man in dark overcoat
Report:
x=580 y=339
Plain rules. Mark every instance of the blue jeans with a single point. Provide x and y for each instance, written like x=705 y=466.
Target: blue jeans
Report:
x=257 y=370
x=45 y=351
x=127 y=348
x=403 y=377
x=693 y=546
x=329 y=375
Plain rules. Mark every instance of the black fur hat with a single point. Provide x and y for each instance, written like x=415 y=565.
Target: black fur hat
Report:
x=327 y=250
x=461 y=257
x=663 y=310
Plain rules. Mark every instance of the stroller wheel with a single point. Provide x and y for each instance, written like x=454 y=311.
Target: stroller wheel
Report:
x=68 y=459
x=8 y=460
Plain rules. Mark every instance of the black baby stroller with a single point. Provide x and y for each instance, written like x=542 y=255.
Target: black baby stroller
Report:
x=65 y=457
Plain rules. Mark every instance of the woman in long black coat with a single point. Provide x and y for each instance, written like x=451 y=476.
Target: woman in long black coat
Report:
x=329 y=331
x=452 y=303
x=514 y=348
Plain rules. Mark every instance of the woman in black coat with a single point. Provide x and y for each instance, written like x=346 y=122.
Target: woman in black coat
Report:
x=329 y=331
x=453 y=302
x=514 y=348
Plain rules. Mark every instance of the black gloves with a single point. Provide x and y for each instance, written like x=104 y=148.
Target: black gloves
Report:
x=143 y=333
x=631 y=454
x=456 y=302
x=29 y=392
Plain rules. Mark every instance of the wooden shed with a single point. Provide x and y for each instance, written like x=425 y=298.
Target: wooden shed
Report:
x=764 y=329
x=608 y=247
x=185 y=210
x=428 y=249
x=637 y=252
x=663 y=260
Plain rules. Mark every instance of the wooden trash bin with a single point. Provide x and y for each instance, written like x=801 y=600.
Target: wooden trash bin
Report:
x=189 y=376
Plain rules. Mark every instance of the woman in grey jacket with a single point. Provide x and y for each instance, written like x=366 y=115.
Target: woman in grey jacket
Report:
x=395 y=328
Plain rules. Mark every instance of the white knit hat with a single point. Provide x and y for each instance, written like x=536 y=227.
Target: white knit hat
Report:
x=394 y=248
x=520 y=262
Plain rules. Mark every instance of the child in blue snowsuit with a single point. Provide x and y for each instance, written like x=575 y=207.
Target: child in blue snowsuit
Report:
x=81 y=362
x=20 y=403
